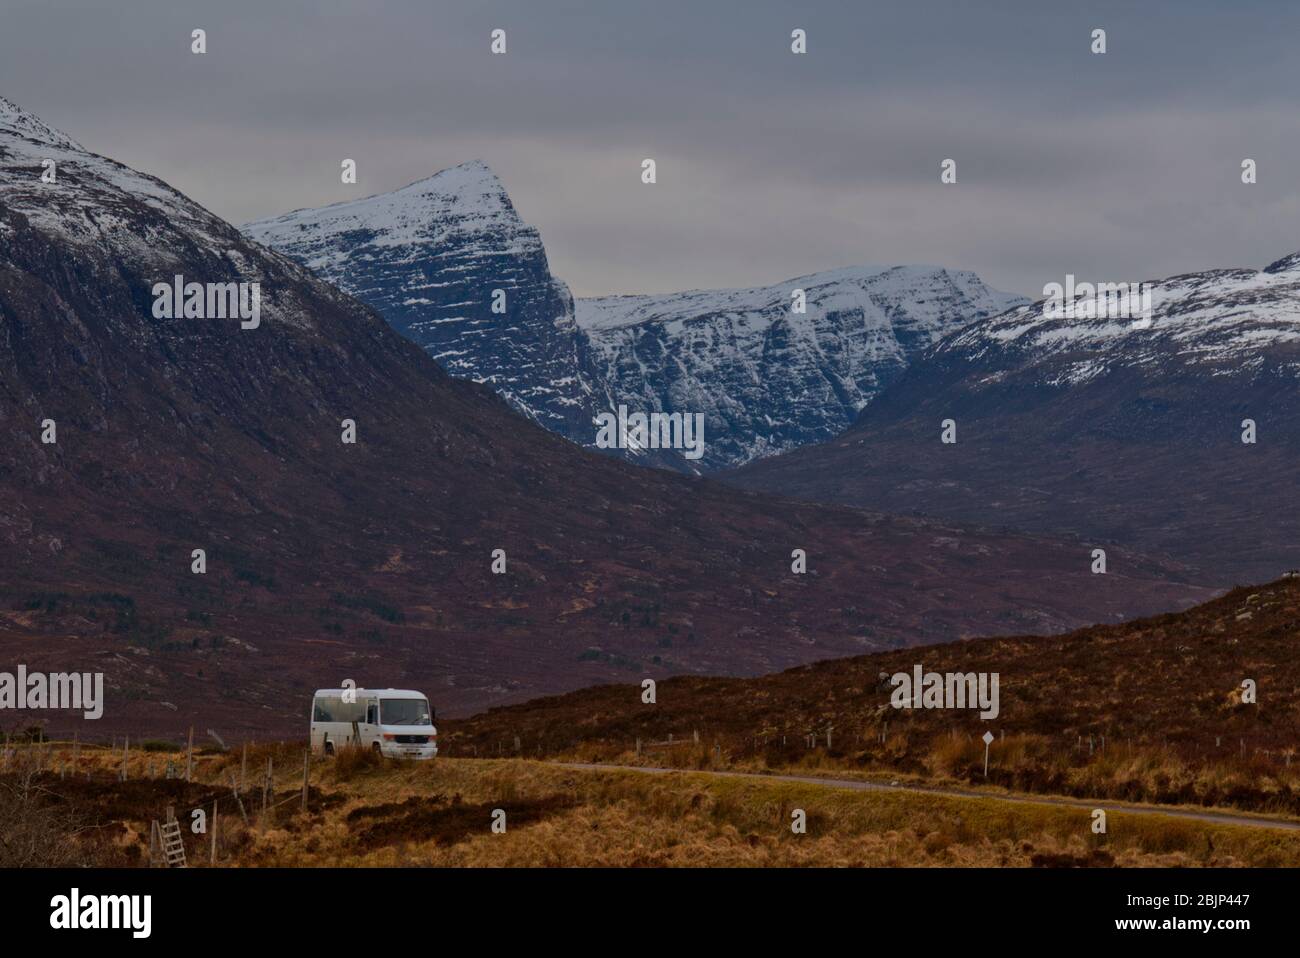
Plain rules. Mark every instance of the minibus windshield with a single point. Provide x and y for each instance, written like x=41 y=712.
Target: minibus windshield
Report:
x=404 y=712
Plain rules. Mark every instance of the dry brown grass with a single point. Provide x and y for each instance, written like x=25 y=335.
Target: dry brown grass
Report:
x=625 y=818
x=440 y=814
x=387 y=812
x=352 y=760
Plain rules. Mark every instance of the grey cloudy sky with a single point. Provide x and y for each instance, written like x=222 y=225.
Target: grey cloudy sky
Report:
x=1118 y=167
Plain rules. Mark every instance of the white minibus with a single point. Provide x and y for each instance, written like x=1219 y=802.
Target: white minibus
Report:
x=395 y=722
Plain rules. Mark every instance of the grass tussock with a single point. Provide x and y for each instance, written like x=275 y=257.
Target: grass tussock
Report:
x=351 y=761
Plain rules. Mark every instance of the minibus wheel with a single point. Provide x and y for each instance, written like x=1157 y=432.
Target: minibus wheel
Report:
x=329 y=749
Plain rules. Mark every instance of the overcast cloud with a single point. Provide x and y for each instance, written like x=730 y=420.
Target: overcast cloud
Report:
x=1124 y=166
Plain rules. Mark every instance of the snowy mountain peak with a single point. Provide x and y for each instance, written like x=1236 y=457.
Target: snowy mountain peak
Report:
x=468 y=177
x=448 y=263
x=460 y=205
x=15 y=122
x=472 y=188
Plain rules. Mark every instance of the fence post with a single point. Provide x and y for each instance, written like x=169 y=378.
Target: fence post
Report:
x=189 y=757
x=243 y=769
x=306 y=771
x=213 y=857
x=234 y=787
x=126 y=751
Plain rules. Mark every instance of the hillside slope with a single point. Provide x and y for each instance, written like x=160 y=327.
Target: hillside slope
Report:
x=1149 y=710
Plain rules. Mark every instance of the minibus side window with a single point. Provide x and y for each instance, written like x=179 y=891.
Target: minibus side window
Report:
x=372 y=714
x=328 y=709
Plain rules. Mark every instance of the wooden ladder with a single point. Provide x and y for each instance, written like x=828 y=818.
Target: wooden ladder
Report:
x=173 y=848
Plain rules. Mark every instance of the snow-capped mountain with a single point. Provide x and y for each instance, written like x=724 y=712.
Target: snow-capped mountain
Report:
x=431 y=258
x=88 y=200
x=427 y=257
x=766 y=377
x=1132 y=430
x=1217 y=322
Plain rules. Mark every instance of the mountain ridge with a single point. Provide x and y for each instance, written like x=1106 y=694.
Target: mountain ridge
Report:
x=764 y=378
x=776 y=379
x=1175 y=435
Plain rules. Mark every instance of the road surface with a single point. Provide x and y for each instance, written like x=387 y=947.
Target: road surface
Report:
x=1212 y=818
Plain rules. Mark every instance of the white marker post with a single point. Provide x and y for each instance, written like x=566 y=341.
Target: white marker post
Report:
x=988 y=740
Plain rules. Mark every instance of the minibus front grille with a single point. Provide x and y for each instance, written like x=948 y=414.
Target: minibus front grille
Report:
x=412 y=739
